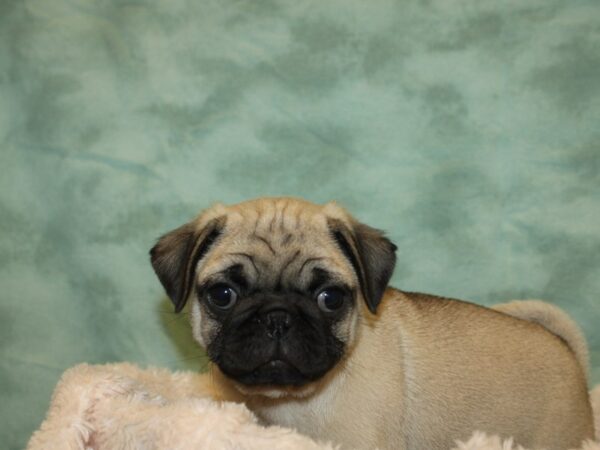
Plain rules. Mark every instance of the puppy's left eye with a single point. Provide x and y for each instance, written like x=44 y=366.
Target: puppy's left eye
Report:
x=222 y=296
x=330 y=299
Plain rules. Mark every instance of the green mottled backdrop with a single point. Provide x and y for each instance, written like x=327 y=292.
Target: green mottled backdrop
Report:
x=469 y=130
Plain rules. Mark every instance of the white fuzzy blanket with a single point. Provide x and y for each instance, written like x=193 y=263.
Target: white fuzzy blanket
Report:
x=123 y=407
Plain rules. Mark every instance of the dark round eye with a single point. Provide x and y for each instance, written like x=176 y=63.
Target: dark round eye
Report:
x=330 y=299
x=222 y=296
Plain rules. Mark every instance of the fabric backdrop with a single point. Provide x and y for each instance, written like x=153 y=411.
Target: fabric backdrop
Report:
x=468 y=130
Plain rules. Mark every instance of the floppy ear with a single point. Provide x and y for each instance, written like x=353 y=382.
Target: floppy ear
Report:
x=176 y=254
x=371 y=254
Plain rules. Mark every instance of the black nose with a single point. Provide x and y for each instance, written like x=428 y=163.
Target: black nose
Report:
x=277 y=323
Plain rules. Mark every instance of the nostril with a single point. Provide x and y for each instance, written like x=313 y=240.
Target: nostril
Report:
x=277 y=323
x=278 y=317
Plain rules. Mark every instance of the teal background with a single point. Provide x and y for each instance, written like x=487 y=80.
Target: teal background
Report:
x=469 y=130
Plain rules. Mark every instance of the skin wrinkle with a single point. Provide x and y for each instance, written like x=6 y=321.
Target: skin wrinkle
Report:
x=309 y=260
x=285 y=266
x=286 y=240
x=218 y=273
x=276 y=218
x=298 y=218
x=266 y=242
x=272 y=222
x=282 y=223
x=256 y=223
x=291 y=260
x=250 y=258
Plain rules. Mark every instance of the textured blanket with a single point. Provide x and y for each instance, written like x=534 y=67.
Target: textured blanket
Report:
x=123 y=407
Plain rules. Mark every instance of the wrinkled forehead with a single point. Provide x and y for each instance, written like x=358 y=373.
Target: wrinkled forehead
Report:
x=277 y=247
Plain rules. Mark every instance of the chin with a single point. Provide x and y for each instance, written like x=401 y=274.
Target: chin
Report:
x=275 y=374
x=274 y=391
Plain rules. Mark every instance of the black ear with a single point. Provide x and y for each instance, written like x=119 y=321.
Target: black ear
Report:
x=175 y=255
x=371 y=254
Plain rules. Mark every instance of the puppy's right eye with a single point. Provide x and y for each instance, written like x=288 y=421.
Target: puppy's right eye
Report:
x=222 y=296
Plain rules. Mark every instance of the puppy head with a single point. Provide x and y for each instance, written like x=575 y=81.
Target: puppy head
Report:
x=277 y=286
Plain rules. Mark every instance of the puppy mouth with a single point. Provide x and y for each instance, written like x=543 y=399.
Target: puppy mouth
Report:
x=275 y=372
x=276 y=364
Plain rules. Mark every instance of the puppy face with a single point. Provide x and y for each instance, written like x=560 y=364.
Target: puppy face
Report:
x=277 y=285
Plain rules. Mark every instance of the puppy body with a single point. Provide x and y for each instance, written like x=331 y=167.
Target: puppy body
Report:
x=427 y=371
x=386 y=369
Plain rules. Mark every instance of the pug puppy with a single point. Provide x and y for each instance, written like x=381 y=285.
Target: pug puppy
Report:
x=290 y=301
